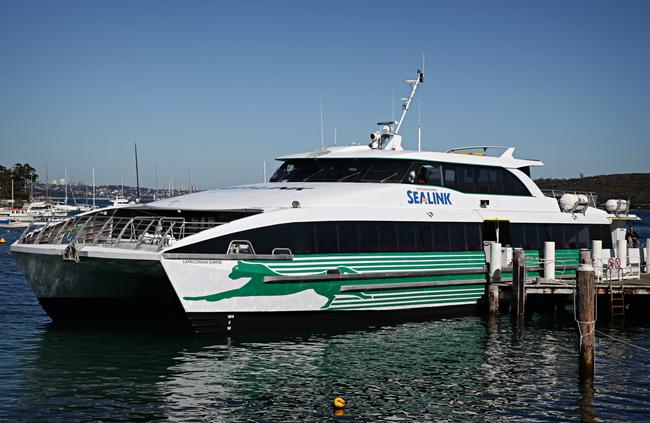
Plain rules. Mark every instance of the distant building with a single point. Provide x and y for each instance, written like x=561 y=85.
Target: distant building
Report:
x=61 y=181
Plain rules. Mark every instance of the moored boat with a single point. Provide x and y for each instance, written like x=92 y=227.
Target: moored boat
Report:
x=337 y=235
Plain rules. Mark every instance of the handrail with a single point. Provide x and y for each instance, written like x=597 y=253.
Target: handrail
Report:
x=97 y=229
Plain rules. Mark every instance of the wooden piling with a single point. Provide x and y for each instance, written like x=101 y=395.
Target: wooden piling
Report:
x=493 y=298
x=518 y=283
x=585 y=313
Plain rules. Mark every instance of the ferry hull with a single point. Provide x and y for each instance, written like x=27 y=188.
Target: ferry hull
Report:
x=235 y=295
x=227 y=323
x=100 y=289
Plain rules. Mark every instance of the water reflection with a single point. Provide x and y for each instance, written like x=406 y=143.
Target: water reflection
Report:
x=467 y=368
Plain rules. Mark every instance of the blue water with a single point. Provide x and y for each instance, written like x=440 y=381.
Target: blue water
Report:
x=462 y=369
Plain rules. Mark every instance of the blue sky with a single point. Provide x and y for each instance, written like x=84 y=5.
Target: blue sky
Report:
x=220 y=87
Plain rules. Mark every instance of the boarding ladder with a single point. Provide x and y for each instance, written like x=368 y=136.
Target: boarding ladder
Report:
x=614 y=276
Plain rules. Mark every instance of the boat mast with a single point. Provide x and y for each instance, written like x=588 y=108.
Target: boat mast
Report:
x=414 y=83
x=155 y=187
x=322 y=139
x=65 y=185
x=47 y=185
x=93 y=187
x=137 y=175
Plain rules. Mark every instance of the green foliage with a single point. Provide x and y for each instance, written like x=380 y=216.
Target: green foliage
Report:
x=635 y=186
x=22 y=175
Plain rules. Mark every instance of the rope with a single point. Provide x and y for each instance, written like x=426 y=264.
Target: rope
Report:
x=592 y=322
x=622 y=342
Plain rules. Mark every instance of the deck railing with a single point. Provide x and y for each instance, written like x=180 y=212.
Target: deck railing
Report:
x=148 y=232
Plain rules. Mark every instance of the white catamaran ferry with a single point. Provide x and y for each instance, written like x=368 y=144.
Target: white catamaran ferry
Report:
x=339 y=234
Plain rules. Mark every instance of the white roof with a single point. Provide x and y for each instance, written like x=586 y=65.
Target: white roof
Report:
x=365 y=152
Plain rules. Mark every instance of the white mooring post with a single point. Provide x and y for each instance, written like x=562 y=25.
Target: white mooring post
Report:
x=549 y=260
x=597 y=257
x=495 y=262
x=647 y=255
x=621 y=251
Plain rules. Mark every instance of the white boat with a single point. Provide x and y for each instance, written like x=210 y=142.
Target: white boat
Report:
x=121 y=201
x=340 y=234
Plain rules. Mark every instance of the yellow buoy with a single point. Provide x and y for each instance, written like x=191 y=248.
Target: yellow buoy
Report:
x=2 y=241
x=339 y=402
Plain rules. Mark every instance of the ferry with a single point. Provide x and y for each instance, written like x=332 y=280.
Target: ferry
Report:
x=341 y=234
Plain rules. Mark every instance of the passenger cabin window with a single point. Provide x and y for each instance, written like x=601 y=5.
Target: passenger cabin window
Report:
x=471 y=179
x=353 y=237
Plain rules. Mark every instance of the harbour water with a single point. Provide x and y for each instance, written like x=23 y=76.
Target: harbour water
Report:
x=459 y=369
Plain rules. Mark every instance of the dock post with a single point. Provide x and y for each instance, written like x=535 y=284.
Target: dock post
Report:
x=647 y=255
x=597 y=257
x=549 y=260
x=518 y=283
x=493 y=298
x=495 y=262
x=585 y=313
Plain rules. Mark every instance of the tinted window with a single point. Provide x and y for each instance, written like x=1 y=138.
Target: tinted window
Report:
x=466 y=179
x=473 y=236
x=441 y=236
x=450 y=177
x=369 y=237
x=405 y=237
x=457 y=236
x=303 y=238
x=348 y=237
x=424 y=236
x=386 y=171
x=326 y=238
x=387 y=237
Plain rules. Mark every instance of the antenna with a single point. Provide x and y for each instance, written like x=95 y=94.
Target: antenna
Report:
x=322 y=140
x=137 y=175
x=392 y=102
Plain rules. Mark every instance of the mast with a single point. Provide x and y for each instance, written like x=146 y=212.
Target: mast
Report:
x=137 y=175
x=47 y=185
x=12 y=193
x=414 y=83
x=155 y=187
x=265 y=179
x=322 y=139
x=93 y=187
x=65 y=185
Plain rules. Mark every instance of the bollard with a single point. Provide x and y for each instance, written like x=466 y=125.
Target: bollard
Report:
x=585 y=313
x=597 y=257
x=549 y=260
x=495 y=262
x=518 y=283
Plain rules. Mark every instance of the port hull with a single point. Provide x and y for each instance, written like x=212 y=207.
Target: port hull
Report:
x=100 y=289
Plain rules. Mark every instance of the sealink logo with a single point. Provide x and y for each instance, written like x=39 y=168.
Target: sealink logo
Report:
x=428 y=197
